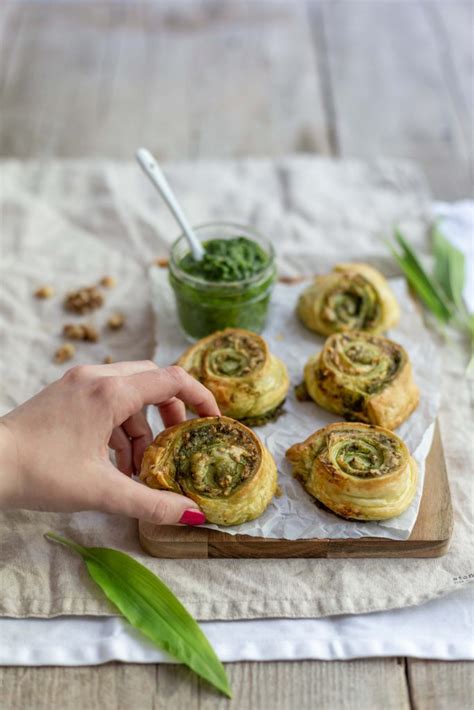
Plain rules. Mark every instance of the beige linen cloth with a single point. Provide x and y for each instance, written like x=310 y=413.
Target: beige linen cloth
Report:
x=69 y=223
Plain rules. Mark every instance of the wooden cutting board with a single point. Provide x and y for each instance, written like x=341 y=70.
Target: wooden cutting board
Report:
x=430 y=537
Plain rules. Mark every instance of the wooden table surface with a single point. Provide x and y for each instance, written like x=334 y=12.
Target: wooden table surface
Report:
x=229 y=78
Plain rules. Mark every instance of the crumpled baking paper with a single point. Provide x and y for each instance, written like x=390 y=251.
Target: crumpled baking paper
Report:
x=294 y=515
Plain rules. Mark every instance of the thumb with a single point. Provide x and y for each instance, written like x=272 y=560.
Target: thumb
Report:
x=137 y=500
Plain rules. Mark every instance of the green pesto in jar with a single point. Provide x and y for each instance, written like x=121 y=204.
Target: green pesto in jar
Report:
x=227 y=260
x=229 y=288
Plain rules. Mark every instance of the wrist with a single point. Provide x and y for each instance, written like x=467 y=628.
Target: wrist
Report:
x=9 y=469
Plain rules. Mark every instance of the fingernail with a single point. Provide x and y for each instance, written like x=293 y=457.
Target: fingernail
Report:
x=192 y=517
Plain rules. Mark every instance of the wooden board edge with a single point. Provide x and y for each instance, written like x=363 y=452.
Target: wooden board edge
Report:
x=435 y=508
x=166 y=541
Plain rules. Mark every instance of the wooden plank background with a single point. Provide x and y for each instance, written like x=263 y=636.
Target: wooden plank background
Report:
x=228 y=78
x=220 y=78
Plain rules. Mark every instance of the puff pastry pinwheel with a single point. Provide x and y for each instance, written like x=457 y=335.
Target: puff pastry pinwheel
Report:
x=350 y=297
x=217 y=462
x=365 y=378
x=358 y=471
x=248 y=382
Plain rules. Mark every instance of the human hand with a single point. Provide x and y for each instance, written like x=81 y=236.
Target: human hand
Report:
x=54 y=448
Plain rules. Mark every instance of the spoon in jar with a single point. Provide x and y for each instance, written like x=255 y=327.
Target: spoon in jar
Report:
x=154 y=172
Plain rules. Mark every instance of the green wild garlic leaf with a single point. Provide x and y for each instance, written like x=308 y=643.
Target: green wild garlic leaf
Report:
x=449 y=268
x=150 y=606
x=419 y=280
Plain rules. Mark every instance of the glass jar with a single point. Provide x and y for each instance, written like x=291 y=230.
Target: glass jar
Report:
x=206 y=306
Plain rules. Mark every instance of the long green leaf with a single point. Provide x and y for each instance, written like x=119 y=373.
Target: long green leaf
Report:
x=150 y=606
x=421 y=274
x=449 y=268
x=442 y=293
x=420 y=281
x=470 y=324
x=441 y=268
x=426 y=295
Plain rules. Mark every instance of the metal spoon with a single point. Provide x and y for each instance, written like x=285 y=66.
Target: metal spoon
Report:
x=154 y=172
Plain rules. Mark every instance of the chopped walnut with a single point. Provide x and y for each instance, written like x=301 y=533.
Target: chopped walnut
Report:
x=44 y=292
x=81 y=331
x=64 y=353
x=83 y=300
x=108 y=282
x=162 y=262
x=108 y=360
x=291 y=279
x=116 y=321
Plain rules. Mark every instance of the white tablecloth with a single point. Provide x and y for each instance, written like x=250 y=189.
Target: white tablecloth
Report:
x=440 y=629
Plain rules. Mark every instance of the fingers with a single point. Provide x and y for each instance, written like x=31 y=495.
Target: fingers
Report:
x=129 y=442
x=134 y=499
x=116 y=369
x=172 y=412
x=121 y=444
x=138 y=429
x=123 y=389
x=162 y=385
x=127 y=368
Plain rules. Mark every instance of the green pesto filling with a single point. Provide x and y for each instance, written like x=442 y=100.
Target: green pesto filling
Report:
x=234 y=355
x=214 y=459
x=364 y=366
x=372 y=363
x=259 y=420
x=301 y=391
x=353 y=305
x=364 y=455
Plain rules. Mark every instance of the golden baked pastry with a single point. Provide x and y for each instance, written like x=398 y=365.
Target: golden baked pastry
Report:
x=358 y=471
x=365 y=378
x=248 y=382
x=350 y=297
x=217 y=462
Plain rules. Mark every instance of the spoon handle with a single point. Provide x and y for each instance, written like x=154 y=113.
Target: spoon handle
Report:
x=154 y=172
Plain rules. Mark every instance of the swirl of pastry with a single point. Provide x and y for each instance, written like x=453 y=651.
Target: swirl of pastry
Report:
x=363 y=377
x=217 y=462
x=248 y=382
x=358 y=471
x=351 y=297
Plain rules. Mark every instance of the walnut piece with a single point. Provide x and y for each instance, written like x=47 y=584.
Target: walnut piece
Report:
x=108 y=282
x=291 y=279
x=108 y=360
x=81 y=331
x=64 y=353
x=44 y=292
x=116 y=321
x=83 y=300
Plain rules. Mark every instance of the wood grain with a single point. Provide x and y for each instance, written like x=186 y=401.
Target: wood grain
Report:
x=430 y=536
x=453 y=23
x=110 y=687
x=187 y=79
x=202 y=78
x=440 y=686
x=306 y=685
x=393 y=89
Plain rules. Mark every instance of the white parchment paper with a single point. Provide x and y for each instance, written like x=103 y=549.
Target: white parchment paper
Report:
x=295 y=515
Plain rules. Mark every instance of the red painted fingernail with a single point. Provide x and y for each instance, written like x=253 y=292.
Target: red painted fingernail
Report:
x=192 y=517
